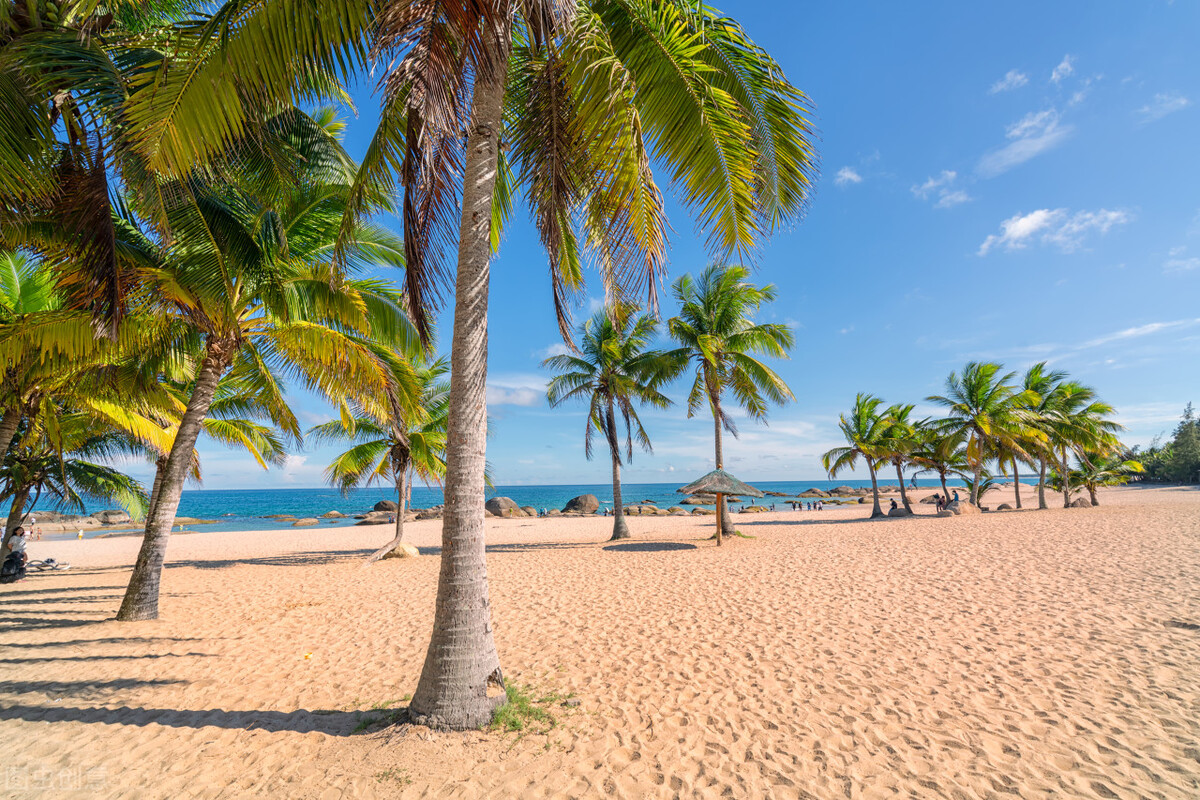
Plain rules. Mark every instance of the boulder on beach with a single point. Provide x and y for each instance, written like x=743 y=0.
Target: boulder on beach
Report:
x=116 y=517
x=679 y=512
x=899 y=512
x=404 y=550
x=673 y=509
x=504 y=507
x=550 y=512
x=929 y=501
x=386 y=505
x=304 y=523
x=961 y=507
x=754 y=509
x=332 y=515
x=814 y=492
x=430 y=513
x=530 y=511
x=1004 y=507
x=703 y=511
x=583 y=504
x=843 y=491
x=1082 y=502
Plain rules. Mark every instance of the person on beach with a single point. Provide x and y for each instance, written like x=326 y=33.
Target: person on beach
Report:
x=894 y=506
x=937 y=499
x=12 y=564
x=955 y=496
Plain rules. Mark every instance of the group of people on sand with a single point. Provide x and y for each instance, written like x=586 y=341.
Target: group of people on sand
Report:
x=799 y=505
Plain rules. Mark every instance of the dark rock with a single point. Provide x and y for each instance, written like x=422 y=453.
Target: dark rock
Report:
x=504 y=507
x=583 y=504
x=386 y=505
x=530 y=511
x=111 y=517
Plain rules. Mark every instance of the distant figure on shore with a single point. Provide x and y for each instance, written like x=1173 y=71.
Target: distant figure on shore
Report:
x=955 y=496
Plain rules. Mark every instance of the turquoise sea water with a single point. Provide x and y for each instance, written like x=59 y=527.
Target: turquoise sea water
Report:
x=244 y=509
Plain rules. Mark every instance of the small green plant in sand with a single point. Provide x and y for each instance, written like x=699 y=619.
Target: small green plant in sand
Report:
x=381 y=712
x=393 y=775
x=526 y=710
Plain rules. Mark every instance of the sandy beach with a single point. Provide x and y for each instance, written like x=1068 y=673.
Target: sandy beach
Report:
x=1027 y=654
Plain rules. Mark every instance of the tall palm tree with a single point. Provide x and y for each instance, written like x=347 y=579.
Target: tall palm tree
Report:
x=899 y=440
x=588 y=95
x=940 y=454
x=408 y=442
x=613 y=372
x=984 y=405
x=1105 y=469
x=716 y=331
x=1080 y=424
x=1046 y=385
x=864 y=432
x=249 y=268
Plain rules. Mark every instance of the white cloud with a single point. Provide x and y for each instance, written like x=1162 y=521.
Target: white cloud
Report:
x=1053 y=226
x=1033 y=134
x=942 y=187
x=1013 y=79
x=1175 y=266
x=1164 y=103
x=847 y=175
x=556 y=349
x=1065 y=68
x=1140 y=331
x=515 y=390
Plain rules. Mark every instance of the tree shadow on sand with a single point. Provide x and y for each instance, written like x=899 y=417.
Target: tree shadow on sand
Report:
x=648 y=547
x=330 y=722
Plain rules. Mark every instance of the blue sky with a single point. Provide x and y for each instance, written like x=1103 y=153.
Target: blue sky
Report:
x=1018 y=182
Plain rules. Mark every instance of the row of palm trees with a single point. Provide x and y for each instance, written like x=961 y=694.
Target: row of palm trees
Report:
x=1043 y=420
x=158 y=162
x=615 y=370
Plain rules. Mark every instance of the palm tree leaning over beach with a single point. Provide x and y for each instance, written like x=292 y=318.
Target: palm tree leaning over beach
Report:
x=864 y=431
x=899 y=440
x=614 y=372
x=407 y=442
x=940 y=454
x=587 y=96
x=716 y=330
x=1081 y=425
x=1045 y=385
x=249 y=269
x=984 y=406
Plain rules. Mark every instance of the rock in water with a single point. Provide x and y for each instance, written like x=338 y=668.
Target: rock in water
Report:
x=404 y=550
x=503 y=507
x=117 y=517
x=332 y=515
x=583 y=504
x=386 y=505
x=306 y=522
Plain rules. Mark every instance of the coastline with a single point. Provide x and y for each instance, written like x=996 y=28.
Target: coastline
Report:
x=922 y=656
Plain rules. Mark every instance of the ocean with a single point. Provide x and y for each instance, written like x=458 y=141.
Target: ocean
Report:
x=245 y=509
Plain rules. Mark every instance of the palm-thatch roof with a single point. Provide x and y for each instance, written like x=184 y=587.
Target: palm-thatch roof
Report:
x=720 y=482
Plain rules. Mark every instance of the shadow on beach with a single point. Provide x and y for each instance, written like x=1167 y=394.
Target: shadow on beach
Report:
x=648 y=547
x=333 y=723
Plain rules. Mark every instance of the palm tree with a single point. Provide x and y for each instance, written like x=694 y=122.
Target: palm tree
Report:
x=1100 y=469
x=249 y=268
x=716 y=332
x=1045 y=385
x=410 y=441
x=864 y=432
x=940 y=454
x=899 y=440
x=1080 y=424
x=985 y=406
x=54 y=456
x=614 y=371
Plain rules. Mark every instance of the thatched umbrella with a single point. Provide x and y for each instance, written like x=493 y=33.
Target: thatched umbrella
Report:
x=720 y=482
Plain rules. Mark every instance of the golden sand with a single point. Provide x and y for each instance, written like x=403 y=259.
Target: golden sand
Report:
x=1023 y=654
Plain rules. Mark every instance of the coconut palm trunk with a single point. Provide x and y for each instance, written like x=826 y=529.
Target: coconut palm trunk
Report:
x=724 y=524
x=620 y=527
x=876 y=511
x=16 y=513
x=160 y=467
x=945 y=489
x=1065 y=472
x=400 y=468
x=978 y=473
x=1042 y=486
x=903 y=493
x=8 y=429
x=1016 y=482
x=1092 y=494
x=461 y=682
x=141 y=598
